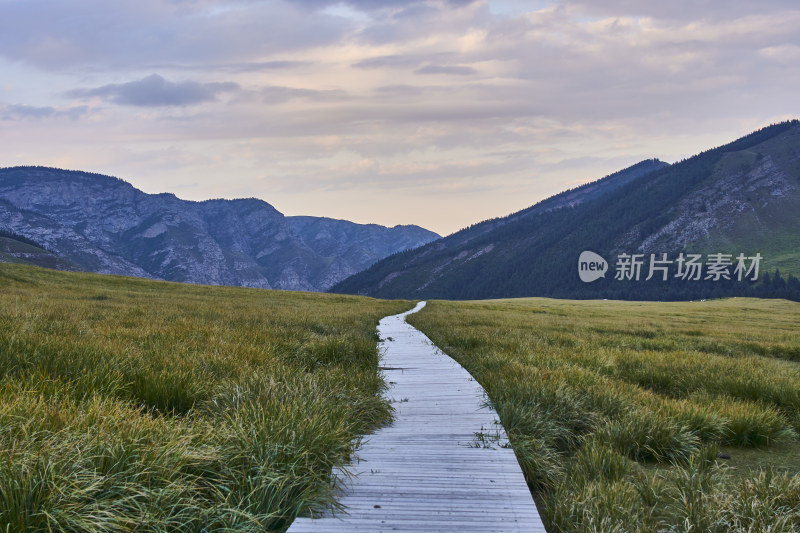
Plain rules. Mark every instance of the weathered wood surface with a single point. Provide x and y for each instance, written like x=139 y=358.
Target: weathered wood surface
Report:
x=443 y=464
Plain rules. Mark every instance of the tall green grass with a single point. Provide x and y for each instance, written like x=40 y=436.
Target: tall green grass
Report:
x=133 y=405
x=617 y=410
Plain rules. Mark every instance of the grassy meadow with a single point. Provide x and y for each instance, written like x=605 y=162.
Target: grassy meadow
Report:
x=637 y=416
x=134 y=405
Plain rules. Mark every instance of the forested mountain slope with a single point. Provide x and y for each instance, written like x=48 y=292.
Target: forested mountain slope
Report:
x=740 y=198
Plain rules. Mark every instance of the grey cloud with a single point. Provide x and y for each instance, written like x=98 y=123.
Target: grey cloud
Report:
x=373 y=5
x=234 y=67
x=393 y=61
x=422 y=21
x=367 y=5
x=446 y=69
x=155 y=91
x=399 y=90
x=278 y=95
x=59 y=35
x=656 y=68
x=684 y=9
x=23 y=112
x=401 y=60
x=138 y=34
x=258 y=66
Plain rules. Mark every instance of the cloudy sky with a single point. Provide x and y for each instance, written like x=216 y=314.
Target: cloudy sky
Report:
x=433 y=112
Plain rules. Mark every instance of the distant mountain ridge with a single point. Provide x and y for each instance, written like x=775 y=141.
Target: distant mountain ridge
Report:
x=741 y=197
x=565 y=199
x=103 y=224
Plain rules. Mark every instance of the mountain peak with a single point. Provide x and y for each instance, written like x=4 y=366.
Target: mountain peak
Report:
x=103 y=224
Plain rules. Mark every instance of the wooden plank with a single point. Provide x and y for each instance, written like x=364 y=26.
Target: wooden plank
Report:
x=443 y=464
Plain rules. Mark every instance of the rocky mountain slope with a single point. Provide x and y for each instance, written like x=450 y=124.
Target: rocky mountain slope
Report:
x=743 y=197
x=17 y=249
x=105 y=225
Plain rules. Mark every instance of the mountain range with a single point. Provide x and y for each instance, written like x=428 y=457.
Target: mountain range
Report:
x=83 y=221
x=740 y=199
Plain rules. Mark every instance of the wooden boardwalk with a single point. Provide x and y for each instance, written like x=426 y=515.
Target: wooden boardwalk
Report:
x=443 y=464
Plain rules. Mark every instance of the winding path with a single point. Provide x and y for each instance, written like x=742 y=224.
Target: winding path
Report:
x=443 y=464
